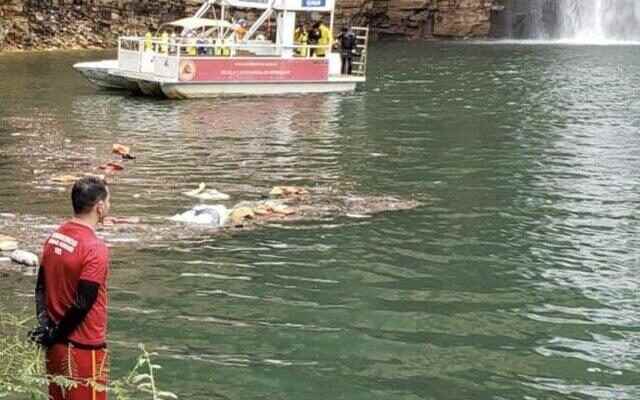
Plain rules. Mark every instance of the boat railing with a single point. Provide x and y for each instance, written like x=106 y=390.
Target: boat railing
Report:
x=362 y=45
x=162 y=57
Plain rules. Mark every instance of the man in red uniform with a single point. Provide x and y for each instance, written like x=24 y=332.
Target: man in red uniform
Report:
x=71 y=297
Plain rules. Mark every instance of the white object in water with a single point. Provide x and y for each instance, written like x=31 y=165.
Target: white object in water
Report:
x=202 y=193
x=7 y=244
x=204 y=215
x=24 y=258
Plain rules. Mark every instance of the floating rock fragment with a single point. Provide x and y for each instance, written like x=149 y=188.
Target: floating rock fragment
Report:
x=121 y=221
x=99 y=176
x=288 y=191
x=262 y=210
x=123 y=151
x=202 y=193
x=111 y=167
x=204 y=215
x=64 y=179
x=8 y=243
x=284 y=210
x=25 y=258
x=239 y=215
x=358 y=216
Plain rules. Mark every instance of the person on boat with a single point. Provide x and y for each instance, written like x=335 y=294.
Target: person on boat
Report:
x=148 y=41
x=210 y=46
x=191 y=42
x=301 y=38
x=240 y=30
x=325 y=40
x=347 y=40
x=71 y=297
x=313 y=37
x=201 y=46
x=164 y=43
x=173 y=40
x=222 y=47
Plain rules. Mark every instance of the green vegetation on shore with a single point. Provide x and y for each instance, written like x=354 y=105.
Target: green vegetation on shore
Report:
x=22 y=372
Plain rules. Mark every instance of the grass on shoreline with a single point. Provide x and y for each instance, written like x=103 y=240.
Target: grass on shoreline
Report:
x=22 y=372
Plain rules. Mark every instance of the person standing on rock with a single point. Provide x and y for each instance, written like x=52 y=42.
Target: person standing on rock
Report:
x=71 y=297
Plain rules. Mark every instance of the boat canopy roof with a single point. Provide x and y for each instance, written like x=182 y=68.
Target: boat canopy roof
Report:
x=293 y=5
x=192 y=23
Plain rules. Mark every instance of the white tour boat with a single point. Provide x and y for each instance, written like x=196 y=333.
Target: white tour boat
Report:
x=213 y=57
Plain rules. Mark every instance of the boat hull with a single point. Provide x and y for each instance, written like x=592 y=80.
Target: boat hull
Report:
x=207 y=90
x=98 y=73
x=107 y=74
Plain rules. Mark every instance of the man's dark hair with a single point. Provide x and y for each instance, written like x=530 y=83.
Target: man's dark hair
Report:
x=87 y=192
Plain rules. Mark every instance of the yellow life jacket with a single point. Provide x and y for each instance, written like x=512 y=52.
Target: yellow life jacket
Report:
x=148 y=41
x=325 y=40
x=301 y=38
x=222 y=49
x=191 y=50
x=226 y=50
x=164 y=47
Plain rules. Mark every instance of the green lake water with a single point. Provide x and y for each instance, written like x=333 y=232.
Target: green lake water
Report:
x=518 y=277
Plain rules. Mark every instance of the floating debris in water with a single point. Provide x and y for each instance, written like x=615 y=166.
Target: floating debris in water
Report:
x=204 y=215
x=8 y=243
x=319 y=203
x=358 y=216
x=239 y=215
x=121 y=220
x=111 y=167
x=202 y=193
x=123 y=151
x=64 y=179
x=25 y=258
x=288 y=191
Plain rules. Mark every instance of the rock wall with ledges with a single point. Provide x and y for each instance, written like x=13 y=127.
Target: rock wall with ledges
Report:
x=53 y=24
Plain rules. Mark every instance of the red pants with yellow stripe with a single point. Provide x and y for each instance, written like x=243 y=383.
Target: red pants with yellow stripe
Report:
x=87 y=368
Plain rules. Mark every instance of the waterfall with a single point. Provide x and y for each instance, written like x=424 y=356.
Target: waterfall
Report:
x=599 y=21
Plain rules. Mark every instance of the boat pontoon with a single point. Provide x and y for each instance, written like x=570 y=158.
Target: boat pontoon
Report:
x=207 y=57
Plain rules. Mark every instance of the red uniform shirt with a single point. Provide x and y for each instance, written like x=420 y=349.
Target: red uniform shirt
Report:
x=72 y=253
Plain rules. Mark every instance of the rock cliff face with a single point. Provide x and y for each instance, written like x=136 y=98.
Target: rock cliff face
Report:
x=47 y=24
x=421 y=18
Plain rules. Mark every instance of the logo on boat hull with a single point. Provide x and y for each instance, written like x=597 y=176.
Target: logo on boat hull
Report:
x=187 y=71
